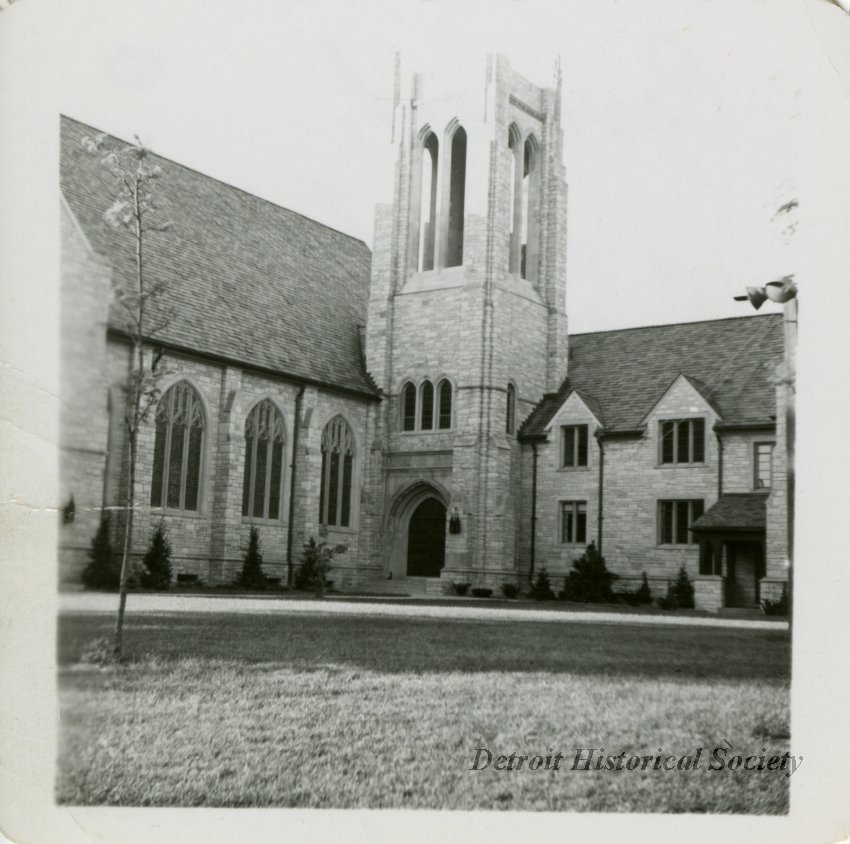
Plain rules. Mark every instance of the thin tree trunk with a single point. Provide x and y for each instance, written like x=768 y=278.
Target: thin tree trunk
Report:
x=136 y=380
x=125 y=559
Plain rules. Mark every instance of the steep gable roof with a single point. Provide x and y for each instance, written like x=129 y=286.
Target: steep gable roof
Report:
x=245 y=279
x=628 y=370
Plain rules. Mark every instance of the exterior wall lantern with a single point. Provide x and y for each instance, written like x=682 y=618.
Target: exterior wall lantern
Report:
x=454 y=521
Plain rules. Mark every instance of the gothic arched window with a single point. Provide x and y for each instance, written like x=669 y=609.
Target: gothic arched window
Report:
x=178 y=449
x=515 y=146
x=408 y=407
x=444 y=408
x=510 y=410
x=530 y=205
x=337 y=472
x=262 y=484
x=456 y=197
x=428 y=203
x=426 y=406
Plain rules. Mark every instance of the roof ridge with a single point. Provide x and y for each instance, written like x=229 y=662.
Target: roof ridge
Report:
x=673 y=324
x=224 y=184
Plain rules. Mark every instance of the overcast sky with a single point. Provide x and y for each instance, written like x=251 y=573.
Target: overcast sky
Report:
x=686 y=124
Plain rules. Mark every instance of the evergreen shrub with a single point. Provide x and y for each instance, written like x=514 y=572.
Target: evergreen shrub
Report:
x=680 y=593
x=157 y=560
x=312 y=574
x=103 y=570
x=640 y=597
x=589 y=581
x=252 y=576
x=510 y=590
x=541 y=588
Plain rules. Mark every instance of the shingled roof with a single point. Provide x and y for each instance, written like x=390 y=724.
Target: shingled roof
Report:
x=735 y=511
x=246 y=280
x=626 y=372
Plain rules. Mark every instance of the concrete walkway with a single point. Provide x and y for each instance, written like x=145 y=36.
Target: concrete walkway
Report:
x=91 y=602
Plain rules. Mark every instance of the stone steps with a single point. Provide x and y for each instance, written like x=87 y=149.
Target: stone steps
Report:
x=411 y=586
x=741 y=612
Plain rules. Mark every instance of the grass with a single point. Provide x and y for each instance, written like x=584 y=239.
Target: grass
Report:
x=338 y=711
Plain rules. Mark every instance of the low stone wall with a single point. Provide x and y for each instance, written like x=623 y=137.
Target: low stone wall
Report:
x=708 y=592
x=770 y=589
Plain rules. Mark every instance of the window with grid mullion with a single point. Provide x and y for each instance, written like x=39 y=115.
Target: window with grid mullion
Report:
x=574 y=446
x=682 y=441
x=573 y=522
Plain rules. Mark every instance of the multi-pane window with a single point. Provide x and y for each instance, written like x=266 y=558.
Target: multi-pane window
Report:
x=408 y=407
x=573 y=522
x=675 y=519
x=264 y=447
x=510 y=410
x=763 y=465
x=178 y=449
x=444 y=412
x=574 y=445
x=683 y=441
x=427 y=408
x=337 y=471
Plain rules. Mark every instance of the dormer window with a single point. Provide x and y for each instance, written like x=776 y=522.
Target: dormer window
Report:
x=682 y=441
x=574 y=440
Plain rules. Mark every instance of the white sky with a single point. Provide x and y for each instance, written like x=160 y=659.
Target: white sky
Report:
x=686 y=124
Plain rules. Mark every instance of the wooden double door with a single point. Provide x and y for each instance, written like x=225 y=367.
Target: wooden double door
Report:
x=426 y=539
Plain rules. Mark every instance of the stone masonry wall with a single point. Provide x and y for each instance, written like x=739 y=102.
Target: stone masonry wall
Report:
x=211 y=541
x=739 y=459
x=633 y=484
x=84 y=429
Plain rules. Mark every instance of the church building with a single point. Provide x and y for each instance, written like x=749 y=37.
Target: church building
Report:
x=423 y=404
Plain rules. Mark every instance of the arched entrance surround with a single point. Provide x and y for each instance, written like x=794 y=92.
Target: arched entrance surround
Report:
x=415 y=535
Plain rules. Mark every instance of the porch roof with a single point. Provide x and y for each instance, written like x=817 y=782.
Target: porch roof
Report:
x=735 y=511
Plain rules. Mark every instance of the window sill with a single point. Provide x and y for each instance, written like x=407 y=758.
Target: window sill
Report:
x=575 y=468
x=426 y=432
x=247 y=520
x=677 y=546
x=682 y=466
x=181 y=514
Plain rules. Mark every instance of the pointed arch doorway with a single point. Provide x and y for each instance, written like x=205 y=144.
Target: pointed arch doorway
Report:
x=426 y=539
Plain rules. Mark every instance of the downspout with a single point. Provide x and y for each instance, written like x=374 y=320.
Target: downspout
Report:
x=295 y=431
x=719 y=467
x=601 y=517
x=533 y=507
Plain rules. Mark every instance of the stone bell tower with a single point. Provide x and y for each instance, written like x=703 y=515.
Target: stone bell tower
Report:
x=467 y=321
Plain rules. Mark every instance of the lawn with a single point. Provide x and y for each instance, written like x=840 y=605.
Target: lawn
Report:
x=347 y=711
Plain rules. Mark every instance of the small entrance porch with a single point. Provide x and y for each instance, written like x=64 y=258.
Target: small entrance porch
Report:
x=731 y=538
